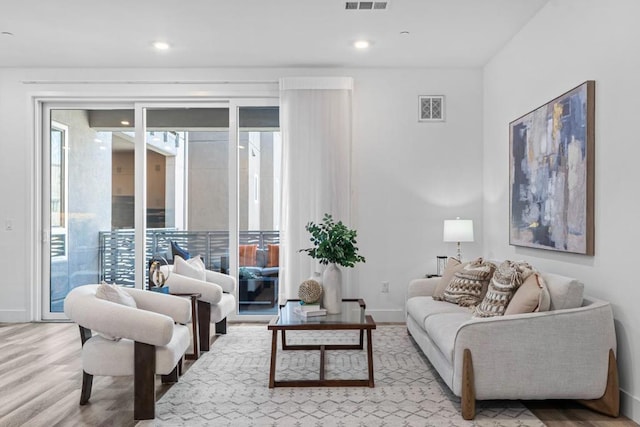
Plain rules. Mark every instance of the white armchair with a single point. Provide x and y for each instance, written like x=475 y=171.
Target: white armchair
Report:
x=215 y=304
x=153 y=340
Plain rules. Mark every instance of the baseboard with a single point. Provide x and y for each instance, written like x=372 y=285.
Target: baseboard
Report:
x=387 y=315
x=630 y=406
x=14 y=316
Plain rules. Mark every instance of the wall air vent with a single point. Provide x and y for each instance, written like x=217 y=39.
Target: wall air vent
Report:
x=366 y=5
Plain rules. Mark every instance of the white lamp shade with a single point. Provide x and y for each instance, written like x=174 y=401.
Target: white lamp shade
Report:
x=458 y=230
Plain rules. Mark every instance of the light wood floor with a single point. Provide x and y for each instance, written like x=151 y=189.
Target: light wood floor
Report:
x=40 y=377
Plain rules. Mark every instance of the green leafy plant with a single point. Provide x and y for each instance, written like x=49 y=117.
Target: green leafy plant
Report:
x=333 y=242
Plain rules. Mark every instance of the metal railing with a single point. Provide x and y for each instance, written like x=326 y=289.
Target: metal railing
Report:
x=117 y=249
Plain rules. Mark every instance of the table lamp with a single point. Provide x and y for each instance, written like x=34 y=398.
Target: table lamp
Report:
x=458 y=230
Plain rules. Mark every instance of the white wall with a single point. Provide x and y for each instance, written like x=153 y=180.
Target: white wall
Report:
x=407 y=176
x=568 y=42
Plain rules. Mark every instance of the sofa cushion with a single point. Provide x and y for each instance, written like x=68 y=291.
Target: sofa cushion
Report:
x=470 y=284
x=531 y=296
x=442 y=329
x=453 y=265
x=503 y=285
x=247 y=255
x=565 y=292
x=273 y=259
x=261 y=258
x=420 y=308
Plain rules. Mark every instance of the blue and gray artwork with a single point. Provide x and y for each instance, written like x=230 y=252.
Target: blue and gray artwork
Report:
x=549 y=175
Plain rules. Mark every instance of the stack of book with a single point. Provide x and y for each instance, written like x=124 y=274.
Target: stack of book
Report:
x=309 y=310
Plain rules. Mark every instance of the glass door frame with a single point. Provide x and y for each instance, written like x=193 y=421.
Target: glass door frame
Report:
x=141 y=175
x=234 y=113
x=43 y=127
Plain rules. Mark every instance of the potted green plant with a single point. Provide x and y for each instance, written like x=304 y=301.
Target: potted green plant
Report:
x=333 y=244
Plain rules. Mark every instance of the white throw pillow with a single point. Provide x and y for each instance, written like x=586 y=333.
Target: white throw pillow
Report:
x=193 y=267
x=114 y=294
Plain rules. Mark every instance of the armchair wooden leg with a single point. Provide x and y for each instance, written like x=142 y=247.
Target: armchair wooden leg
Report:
x=172 y=377
x=221 y=327
x=87 y=382
x=609 y=403
x=204 y=324
x=468 y=400
x=144 y=387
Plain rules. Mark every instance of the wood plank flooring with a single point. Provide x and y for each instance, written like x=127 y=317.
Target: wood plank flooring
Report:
x=40 y=377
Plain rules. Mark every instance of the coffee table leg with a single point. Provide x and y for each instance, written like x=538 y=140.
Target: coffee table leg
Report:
x=274 y=349
x=370 y=357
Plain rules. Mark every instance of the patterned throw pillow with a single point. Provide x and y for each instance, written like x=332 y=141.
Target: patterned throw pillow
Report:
x=470 y=283
x=505 y=282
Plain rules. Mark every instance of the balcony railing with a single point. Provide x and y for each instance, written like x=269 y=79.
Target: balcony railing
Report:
x=117 y=249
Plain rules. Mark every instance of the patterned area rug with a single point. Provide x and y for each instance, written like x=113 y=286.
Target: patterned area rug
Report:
x=228 y=386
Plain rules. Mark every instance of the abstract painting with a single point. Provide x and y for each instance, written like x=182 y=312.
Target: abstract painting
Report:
x=552 y=173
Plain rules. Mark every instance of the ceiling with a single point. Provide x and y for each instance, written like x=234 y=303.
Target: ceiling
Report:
x=256 y=33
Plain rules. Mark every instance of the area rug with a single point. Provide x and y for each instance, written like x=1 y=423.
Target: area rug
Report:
x=228 y=386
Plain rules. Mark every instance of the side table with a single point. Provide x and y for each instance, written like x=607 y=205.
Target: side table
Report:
x=194 y=322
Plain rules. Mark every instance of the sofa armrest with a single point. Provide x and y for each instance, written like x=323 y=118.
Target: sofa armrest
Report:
x=177 y=308
x=422 y=287
x=178 y=283
x=226 y=282
x=560 y=354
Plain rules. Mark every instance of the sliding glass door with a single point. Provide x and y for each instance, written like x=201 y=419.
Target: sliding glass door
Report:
x=81 y=198
x=121 y=184
x=259 y=172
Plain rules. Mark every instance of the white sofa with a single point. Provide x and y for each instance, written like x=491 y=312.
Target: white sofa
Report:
x=567 y=352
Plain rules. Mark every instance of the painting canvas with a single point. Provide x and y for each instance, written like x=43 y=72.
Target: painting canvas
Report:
x=551 y=174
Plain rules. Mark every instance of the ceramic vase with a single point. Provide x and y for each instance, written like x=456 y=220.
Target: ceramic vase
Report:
x=332 y=289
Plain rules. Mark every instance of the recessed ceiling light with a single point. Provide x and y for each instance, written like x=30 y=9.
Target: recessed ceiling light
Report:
x=125 y=123
x=161 y=45
x=361 y=44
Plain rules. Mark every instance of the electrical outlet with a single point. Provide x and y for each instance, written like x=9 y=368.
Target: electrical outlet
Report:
x=385 y=288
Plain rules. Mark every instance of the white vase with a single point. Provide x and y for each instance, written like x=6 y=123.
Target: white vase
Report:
x=332 y=289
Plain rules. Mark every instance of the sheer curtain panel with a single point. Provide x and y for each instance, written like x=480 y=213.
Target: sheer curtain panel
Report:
x=315 y=122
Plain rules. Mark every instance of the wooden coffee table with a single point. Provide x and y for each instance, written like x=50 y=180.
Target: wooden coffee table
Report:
x=352 y=317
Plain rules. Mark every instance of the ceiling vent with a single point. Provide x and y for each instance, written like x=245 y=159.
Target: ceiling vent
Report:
x=366 y=5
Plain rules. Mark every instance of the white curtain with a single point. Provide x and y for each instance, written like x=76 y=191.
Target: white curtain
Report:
x=315 y=122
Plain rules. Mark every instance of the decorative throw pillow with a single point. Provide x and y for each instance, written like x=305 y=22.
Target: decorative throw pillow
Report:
x=176 y=250
x=193 y=267
x=469 y=284
x=273 y=259
x=530 y=297
x=114 y=294
x=503 y=285
x=453 y=265
x=247 y=255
